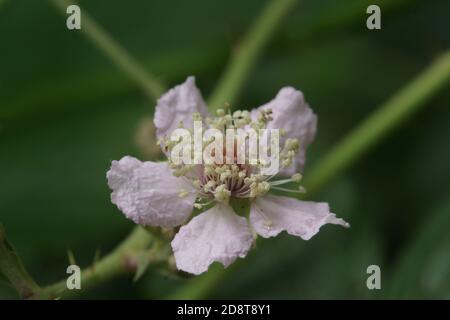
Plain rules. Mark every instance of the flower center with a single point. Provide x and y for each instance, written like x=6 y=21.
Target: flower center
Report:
x=219 y=182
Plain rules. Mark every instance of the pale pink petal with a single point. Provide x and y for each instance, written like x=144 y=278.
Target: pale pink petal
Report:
x=269 y=215
x=177 y=105
x=293 y=114
x=148 y=193
x=217 y=234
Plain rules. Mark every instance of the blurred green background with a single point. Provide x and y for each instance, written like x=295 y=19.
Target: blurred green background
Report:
x=66 y=112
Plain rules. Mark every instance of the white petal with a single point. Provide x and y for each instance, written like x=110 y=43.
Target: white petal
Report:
x=217 y=234
x=177 y=105
x=269 y=215
x=291 y=112
x=147 y=192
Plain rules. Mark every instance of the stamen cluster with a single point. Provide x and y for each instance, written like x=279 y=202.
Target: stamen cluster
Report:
x=219 y=182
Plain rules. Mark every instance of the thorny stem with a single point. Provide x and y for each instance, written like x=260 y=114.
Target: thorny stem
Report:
x=12 y=271
x=114 y=51
x=120 y=261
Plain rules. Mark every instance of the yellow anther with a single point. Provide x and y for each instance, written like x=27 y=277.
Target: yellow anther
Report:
x=222 y=194
x=297 y=177
x=268 y=223
x=183 y=194
x=198 y=206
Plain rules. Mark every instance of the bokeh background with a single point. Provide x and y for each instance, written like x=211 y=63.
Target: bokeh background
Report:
x=66 y=112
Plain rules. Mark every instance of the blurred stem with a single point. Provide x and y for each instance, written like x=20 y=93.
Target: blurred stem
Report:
x=67 y=91
x=120 y=261
x=114 y=51
x=248 y=53
x=386 y=118
x=14 y=273
x=377 y=126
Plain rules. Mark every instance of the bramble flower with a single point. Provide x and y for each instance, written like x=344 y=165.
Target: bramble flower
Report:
x=164 y=194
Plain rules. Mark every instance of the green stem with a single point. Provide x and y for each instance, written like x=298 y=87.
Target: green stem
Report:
x=386 y=118
x=248 y=53
x=120 y=261
x=111 y=49
x=13 y=271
